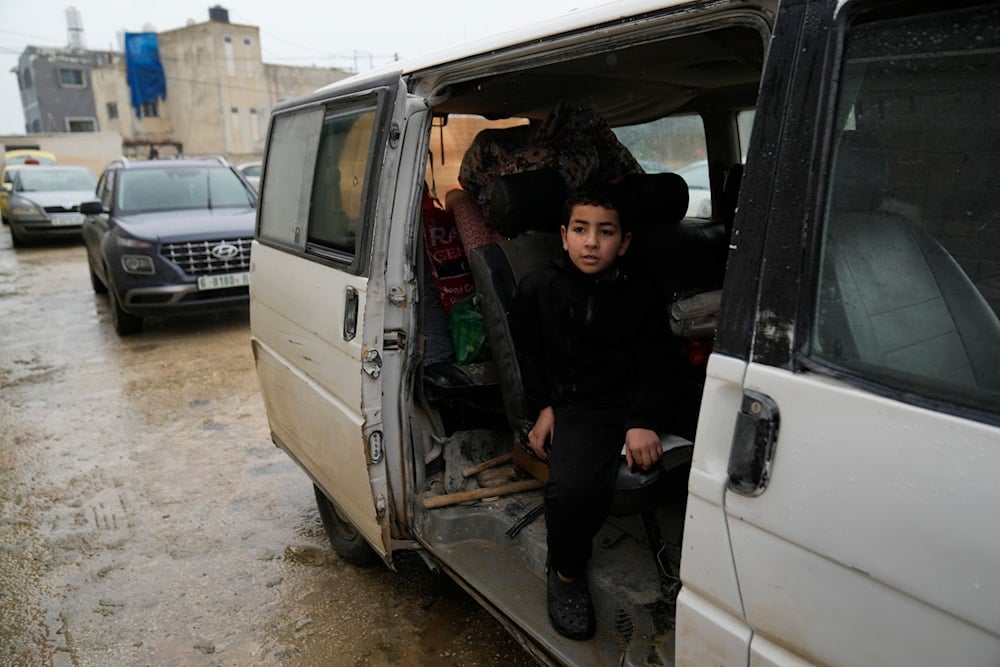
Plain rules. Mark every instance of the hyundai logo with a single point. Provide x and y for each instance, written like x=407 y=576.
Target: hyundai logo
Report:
x=225 y=251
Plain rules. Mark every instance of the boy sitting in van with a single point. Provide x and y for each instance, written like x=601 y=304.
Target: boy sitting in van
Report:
x=600 y=366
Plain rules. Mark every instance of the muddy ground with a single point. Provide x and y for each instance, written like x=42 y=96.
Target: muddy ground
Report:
x=146 y=518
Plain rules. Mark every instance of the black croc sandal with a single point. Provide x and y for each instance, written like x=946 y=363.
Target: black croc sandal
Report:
x=570 y=607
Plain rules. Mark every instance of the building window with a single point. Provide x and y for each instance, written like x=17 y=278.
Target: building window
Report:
x=227 y=48
x=112 y=110
x=234 y=125
x=246 y=41
x=150 y=110
x=36 y=125
x=254 y=124
x=25 y=79
x=72 y=78
x=81 y=125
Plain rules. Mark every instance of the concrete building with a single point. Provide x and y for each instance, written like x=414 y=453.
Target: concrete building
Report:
x=56 y=88
x=219 y=91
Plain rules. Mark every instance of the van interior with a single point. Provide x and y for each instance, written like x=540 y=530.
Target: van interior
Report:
x=670 y=117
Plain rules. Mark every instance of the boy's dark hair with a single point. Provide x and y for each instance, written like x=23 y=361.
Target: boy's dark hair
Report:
x=604 y=195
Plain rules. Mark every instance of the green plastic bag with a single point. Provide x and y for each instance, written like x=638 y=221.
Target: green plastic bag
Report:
x=468 y=332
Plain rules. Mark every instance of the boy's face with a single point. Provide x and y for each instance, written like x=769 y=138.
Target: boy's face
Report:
x=593 y=239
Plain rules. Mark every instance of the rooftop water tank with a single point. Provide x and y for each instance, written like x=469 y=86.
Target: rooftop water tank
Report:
x=219 y=14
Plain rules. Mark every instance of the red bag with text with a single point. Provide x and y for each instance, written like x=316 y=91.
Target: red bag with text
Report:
x=445 y=253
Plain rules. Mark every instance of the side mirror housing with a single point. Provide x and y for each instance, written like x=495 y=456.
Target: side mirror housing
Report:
x=93 y=207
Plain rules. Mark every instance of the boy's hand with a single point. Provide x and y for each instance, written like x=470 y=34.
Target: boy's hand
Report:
x=541 y=432
x=642 y=447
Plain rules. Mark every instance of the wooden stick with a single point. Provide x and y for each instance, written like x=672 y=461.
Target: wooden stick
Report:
x=479 y=467
x=485 y=492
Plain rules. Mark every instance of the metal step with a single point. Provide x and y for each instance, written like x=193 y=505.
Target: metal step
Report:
x=634 y=621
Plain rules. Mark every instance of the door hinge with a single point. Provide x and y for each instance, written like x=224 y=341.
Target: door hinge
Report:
x=393 y=340
x=375 y=449
x=380 y=505
x=371 y=363
x=397 y=296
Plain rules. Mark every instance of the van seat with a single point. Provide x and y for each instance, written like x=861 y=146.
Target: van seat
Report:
x=868 y=312
x=528 y=208
x=473 y=229
x=683 y=255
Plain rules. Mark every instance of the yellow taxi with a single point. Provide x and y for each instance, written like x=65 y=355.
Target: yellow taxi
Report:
x=14 y=160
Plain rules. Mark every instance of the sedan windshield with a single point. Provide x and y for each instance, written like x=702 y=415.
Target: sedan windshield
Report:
x=50 y=180
x=170 y=189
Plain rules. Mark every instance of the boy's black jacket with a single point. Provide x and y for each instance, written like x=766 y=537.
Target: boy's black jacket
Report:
x=600 y=343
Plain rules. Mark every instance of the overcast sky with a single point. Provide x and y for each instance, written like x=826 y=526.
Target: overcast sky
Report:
x=344 y=33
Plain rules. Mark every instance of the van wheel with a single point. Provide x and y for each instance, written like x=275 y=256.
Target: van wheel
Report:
x=344 y=537
x=125 y=324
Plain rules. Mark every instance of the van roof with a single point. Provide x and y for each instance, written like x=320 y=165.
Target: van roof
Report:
x=656 y=71
x=557 y=25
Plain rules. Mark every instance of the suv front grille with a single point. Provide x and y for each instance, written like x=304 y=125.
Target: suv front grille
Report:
x=196 y=259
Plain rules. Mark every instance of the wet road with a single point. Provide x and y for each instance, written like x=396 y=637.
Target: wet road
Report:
x=146 y=519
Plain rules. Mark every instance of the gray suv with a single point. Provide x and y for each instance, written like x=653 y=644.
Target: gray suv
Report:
x=169 y=236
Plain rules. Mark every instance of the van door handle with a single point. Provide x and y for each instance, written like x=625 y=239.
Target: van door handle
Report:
x=351 y=314
x=754 y=440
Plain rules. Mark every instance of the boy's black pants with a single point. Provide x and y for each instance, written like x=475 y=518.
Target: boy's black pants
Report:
x=583 y=465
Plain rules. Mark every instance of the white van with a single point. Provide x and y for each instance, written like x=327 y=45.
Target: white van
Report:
x=838 y=309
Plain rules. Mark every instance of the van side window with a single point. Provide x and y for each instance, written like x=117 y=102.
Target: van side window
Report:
x=291 y=159
x=744 y=123
x=674 y=144
x=909 y=283
x=336 y=213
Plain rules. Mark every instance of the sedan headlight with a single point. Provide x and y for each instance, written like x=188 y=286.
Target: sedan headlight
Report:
x=25 y=209
x=142 y=264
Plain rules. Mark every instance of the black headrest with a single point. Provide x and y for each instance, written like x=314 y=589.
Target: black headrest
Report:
x=654 y=199
x=527 y=201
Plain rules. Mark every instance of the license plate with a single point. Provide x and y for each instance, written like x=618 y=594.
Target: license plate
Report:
x=224 y=280
x=66 y=220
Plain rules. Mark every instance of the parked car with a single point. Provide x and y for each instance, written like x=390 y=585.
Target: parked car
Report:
x=29 y=156
x=12 y=162
x=168 y=237
x=44 y=202
x=251 y=172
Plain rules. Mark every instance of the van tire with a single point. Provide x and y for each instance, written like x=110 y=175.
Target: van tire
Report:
x=345 y=538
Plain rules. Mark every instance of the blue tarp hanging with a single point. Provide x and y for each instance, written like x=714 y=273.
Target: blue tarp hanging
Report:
x=143 y=69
